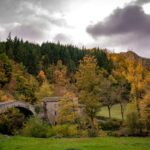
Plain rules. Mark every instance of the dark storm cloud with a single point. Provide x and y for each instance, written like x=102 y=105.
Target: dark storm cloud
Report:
x=130 y=19
x=127 y=27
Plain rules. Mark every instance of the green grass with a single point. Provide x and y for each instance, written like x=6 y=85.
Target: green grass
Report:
x=115 y=112
x=103 y=143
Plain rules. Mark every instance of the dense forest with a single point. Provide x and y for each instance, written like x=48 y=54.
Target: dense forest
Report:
x=29 y=72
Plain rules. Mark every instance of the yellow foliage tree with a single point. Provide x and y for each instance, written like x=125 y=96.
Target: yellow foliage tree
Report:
x=87 y=82
x=145 y=111
x=41 y=76
x=136 y=78
x=45 y=90
x=68 y=109
x=60 y=74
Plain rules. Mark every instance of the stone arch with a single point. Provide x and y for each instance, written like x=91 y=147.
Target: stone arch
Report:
x=25 y=108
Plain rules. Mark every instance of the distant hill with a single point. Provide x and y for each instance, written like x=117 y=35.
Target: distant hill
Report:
x=131 y=54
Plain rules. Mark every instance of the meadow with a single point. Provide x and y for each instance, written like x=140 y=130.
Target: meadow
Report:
x=115 y=112
x=101 y=143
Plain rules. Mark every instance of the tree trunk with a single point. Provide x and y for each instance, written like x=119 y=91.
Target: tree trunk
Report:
x=109 y=111
x=139 y=115
x=137 y=102
x=122 y=111
x=92 y=123
x=138 y=108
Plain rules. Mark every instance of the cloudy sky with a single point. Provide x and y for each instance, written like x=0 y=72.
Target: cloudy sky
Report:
x=118 y=25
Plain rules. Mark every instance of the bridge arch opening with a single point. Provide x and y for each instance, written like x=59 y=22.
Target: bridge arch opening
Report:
x=27 y=113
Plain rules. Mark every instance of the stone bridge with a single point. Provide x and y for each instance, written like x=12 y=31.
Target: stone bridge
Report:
x=25 y=108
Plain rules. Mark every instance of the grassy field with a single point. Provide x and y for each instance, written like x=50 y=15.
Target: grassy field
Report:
x=103 y=143
x=115 y=112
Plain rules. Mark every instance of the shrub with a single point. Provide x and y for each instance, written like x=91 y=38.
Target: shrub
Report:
x=37 y=109
x=102 y=133
x=11 y=122
x=133 y=123
x=112 y=124
x=122 y=132
x=50 y=132
x=73 y=131
x=145 y=111
x=92 y=133
x=63 y=131
x=83 y=133
x=35 y=127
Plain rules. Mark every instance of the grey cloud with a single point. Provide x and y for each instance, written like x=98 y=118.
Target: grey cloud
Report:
x=54 y=21
x=33 y=18
x=20 y=10
x=141 y=2
x=53 y=5
x=62 y=38
x=28 y=32
x=8 y=10
x=130 y=19
x=127 y=28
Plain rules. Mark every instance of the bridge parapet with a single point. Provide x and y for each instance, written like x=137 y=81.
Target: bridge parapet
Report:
x=4 y=106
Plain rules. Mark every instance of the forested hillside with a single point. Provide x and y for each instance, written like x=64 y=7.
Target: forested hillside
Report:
x=145 y=61
x=26 y=60
x=29 y=72
x=35 y=57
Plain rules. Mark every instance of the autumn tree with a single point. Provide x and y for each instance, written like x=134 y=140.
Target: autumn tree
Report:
x=41 y=77
x=122 y=94
x=145 y=111
x=5 y=96
x=108 y=95
x=145 y=103
x=25 y=90
x=136 y=77
x=45 y=90
x=5 y=70
x=147 y=81
x=24 y=84
x=60 y=74
x=122 y=86
x=87 y=82
x=68 y=109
